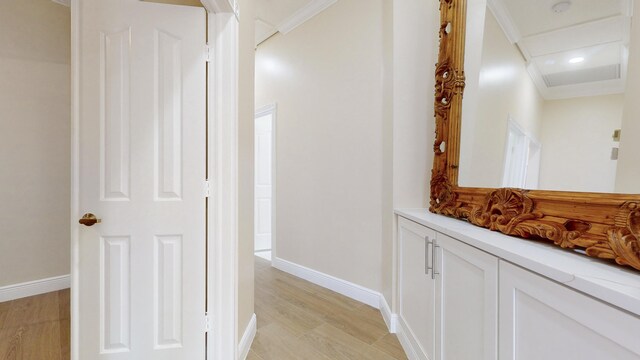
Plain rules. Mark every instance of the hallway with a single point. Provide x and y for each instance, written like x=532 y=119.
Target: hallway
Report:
x=299 y=320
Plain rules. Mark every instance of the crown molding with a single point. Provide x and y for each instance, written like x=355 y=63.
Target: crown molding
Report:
x=304 y=14
x=272 y=31
x=507 y=24
x=221 y=6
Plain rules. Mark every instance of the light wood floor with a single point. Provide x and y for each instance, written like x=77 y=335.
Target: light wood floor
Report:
x=35 y=328
x=298 y=320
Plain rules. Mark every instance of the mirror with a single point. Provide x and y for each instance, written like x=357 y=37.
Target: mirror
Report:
x=551 y=97
x=497 y=117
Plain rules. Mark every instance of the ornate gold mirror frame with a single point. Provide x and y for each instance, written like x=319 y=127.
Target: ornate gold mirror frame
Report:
x=606 y=226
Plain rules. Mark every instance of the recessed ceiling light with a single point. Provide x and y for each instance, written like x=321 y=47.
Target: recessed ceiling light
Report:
x=561 y=7
x=576 y=60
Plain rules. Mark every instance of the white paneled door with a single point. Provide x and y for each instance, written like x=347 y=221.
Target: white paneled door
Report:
x=263 y=180
x=142 y=103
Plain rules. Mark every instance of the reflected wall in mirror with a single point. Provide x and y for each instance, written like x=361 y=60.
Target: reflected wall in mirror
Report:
x=552 y=89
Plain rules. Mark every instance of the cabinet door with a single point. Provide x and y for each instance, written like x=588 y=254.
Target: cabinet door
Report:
x=416 y=289
x=466 y=301
x=541 y=319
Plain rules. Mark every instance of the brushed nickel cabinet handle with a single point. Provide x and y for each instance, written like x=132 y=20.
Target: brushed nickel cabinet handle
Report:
x=434 y=257
x=427 y=268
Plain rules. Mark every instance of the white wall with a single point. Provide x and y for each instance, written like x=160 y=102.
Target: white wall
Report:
x=505 y=90
x=34 y=140
x=354 y=88
x=386 y=245
x=576 y=143
x=474 y=44
x=327 y=77
x=415 y=53
x=628 y=171
x=246 y=68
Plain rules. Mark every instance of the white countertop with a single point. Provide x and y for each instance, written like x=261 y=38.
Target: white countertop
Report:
x=613 y=284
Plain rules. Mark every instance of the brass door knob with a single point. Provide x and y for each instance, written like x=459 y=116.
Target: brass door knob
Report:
x=89 y=220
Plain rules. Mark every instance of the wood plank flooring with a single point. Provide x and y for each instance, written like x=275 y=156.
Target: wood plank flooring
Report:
x=298 y=320
x=36 y=328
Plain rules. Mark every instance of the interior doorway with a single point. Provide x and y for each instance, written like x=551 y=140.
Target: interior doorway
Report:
x=35 y=134
x=264 y=204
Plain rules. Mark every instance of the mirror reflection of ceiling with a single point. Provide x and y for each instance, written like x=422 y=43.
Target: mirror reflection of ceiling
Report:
x=273 y=16
x=572 y=47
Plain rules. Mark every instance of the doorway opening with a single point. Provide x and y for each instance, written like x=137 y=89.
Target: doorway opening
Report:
x=264 y=204
x=35 y=134
x=522 y=160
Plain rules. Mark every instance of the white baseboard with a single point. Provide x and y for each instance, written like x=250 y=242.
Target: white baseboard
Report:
x=390 y=318
x=346 y=288
x=247 y=338
x=407 y=339
x=37 y=287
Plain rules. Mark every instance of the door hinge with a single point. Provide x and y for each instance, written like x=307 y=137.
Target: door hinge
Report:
x=208 y=323
x=207 y=189
x=208 y=53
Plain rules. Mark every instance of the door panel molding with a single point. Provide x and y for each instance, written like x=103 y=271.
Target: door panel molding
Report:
x=115 y=115
x=168 y=116
x=115 y=285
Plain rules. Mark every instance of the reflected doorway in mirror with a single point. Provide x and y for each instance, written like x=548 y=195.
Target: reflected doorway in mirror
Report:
x=522 y=158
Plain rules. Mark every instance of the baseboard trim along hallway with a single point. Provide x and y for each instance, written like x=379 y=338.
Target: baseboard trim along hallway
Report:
x=343 y=287
x=298 y=319
x=389 y=317
x=36 y=287
x=407 y=340
x=247 y=338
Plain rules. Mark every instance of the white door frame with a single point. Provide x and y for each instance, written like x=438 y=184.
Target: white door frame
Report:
x=222 y=240
x=75 y=179
x=222 y=342
x=271 y=109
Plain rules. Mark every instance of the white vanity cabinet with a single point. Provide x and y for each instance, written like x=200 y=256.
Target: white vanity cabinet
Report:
x=466 y=301
x=417 y=288
x=448 y=296
x=541 y=319
x=455 y=297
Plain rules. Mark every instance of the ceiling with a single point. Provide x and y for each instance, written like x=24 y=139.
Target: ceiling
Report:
x=581 y=51
x=282 y=16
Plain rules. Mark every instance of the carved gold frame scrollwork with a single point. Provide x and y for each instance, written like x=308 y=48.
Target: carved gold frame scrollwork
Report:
x=606 y=226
